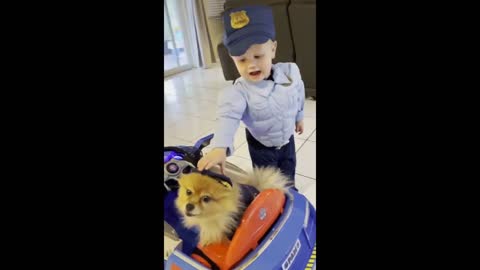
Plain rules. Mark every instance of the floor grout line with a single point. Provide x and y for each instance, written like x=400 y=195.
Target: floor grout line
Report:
x=314 y=130
x=306 y=176
x=300 y=147
x=240 y=145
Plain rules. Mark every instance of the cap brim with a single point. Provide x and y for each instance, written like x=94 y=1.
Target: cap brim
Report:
x=240 y=47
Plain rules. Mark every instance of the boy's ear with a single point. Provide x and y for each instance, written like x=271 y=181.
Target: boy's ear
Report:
x=274 y=48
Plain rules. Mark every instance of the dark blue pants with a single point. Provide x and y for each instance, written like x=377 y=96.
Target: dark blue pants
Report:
x=283 y=158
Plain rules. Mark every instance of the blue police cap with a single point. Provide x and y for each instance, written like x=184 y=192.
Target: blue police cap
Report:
x=246 y=26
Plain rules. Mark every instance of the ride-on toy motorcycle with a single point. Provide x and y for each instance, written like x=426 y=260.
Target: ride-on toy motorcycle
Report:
x=277 y=231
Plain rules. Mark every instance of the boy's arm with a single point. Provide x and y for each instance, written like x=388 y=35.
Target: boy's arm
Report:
x=231 y=107
x=295 y=73
x=301 y=101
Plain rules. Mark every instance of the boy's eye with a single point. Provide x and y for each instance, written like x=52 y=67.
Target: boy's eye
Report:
x=258 y=56
x=206 y=199
x=242 y=60
x=189 y=192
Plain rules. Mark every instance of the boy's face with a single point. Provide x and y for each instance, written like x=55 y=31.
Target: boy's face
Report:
x=256 y=63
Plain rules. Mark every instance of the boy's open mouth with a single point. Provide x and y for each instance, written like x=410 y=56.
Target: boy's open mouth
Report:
x=255 y=73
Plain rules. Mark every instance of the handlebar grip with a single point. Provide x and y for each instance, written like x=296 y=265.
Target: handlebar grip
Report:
x=203 y=142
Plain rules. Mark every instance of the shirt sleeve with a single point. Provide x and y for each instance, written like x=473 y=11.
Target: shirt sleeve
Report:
x=301 y=101
x=231 y=107
x=295 y=73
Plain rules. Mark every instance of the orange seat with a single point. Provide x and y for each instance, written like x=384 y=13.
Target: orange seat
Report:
x=256 y=221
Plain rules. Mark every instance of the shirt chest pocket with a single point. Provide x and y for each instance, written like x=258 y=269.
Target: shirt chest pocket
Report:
x=292 y=97
x=293 y=102
x=289 y=101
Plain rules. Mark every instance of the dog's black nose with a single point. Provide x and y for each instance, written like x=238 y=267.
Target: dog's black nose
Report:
x=189 y=207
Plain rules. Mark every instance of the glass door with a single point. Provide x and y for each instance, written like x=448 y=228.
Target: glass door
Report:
x=176 y=38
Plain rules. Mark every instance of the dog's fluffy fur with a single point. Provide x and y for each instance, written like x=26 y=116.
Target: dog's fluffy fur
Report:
x=215 y=206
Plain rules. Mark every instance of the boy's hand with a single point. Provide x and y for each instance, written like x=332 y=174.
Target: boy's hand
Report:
x=299 y=127
x=217 y=156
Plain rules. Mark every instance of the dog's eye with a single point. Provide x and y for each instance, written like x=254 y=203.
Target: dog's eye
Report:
x=206 y=199
x=189 y=192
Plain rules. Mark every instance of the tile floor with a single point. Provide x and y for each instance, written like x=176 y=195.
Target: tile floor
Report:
x=190 y=103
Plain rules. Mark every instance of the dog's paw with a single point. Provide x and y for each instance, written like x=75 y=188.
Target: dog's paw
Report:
x=168 y=252
x=169 y=247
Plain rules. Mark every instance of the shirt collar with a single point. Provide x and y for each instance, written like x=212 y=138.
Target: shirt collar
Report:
x=279 y=76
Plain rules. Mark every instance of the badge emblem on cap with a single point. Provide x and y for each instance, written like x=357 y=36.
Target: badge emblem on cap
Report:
x=239 y=19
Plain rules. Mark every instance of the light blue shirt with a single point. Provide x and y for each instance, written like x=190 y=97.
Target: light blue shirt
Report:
x=268 y=108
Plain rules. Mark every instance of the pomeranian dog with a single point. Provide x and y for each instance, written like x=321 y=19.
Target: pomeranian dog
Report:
x=215 y=206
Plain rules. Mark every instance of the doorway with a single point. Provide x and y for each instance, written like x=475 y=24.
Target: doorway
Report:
x=177 y=49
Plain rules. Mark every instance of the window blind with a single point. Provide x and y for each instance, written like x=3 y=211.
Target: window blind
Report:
x=214 y=8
